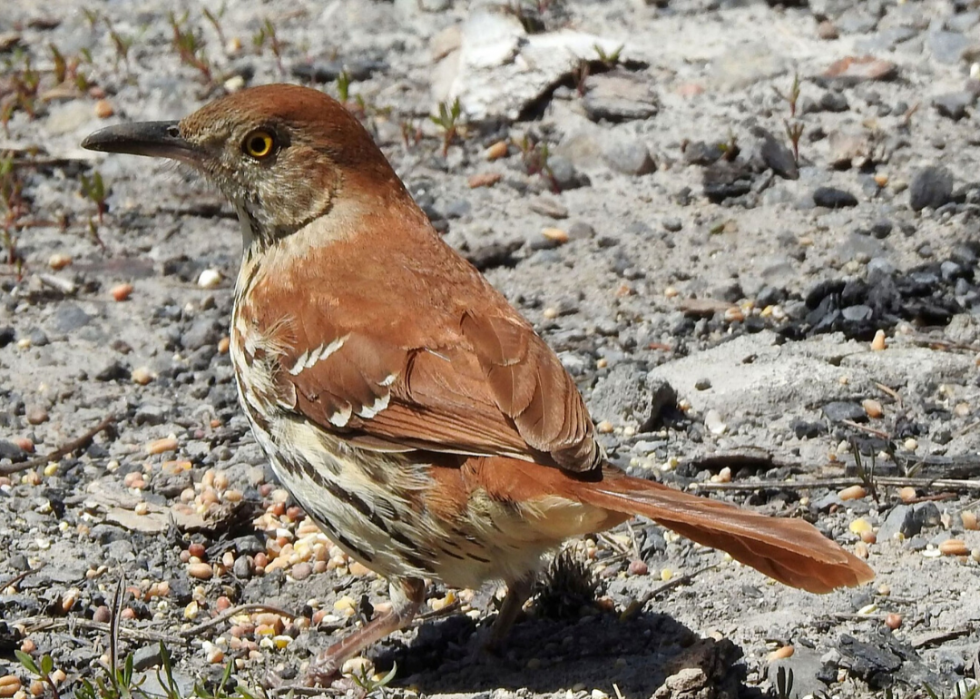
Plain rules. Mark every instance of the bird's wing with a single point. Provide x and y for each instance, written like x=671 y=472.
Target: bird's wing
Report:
x=441 y=364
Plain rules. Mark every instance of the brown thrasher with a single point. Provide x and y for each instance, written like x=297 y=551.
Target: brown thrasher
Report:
x=406 y=405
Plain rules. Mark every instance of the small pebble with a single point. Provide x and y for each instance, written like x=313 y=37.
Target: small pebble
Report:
x=907 y=494
x=301 y=571
x=638 y=567
x=209 y=279
x=604 y=427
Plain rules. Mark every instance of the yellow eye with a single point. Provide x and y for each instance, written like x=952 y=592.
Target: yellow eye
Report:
x=258 y=144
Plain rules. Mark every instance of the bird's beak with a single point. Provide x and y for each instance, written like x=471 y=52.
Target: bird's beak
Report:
x=159 y=139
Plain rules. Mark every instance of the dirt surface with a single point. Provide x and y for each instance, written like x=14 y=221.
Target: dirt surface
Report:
x=625 y=173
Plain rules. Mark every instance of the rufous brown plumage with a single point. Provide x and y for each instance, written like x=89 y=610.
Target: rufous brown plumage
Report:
x=405 y=404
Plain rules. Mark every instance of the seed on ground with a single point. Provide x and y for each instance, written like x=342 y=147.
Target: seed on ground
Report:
x=878 y=343
x=121 y=292
x=159 y=446
x=200 y=571
x=59 y=261
x=954 y=547
x=860 y=526
x=497 y=150
x=103 y=109
x=872 y=408
x=893 y=621
x=969 y=521
x=854 y=492
x=782 y=653
x=907 y=494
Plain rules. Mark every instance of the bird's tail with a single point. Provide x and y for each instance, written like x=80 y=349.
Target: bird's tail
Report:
x=791 y=551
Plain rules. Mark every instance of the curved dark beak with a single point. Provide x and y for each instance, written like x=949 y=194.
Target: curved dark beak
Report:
x=159 y=139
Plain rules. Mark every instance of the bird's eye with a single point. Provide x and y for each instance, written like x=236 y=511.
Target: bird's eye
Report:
x=259 y=144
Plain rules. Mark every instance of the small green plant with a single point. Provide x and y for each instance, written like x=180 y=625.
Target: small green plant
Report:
x=191 y=47
x=730 y=148
x=448 y=121
x=91 y=16
x=534 y=156
x=122 y=45
x=865 y=473
x=794 y=131
x=14 y=208
x=267 y=35
x=94 y=189
x=368 y=683
x=42 y=672
x=793 y=96
x=215 y=21
x=343 y=87
x=961 y=692
x=411 y=133
x=609 y=60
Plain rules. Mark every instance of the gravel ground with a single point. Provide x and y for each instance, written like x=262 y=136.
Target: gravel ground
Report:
x=762 y=325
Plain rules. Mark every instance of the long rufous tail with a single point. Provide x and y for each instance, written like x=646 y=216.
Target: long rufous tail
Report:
x=791 y=551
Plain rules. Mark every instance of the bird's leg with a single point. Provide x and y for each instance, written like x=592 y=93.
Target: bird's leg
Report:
x=517 y=594
x=407 y=595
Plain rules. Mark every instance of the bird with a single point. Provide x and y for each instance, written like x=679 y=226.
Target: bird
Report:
x=406 y=405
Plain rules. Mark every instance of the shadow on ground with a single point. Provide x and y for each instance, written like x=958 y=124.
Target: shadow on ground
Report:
x=637 y=655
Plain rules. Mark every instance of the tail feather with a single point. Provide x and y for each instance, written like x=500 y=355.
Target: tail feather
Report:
x=791 y=551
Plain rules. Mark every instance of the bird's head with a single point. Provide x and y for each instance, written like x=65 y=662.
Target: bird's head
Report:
x=283 y=155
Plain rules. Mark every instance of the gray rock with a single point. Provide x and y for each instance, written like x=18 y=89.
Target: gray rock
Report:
x=953 y=105
x=931 y=186
x=776 y=155
x=580 y=230
x=565 y=174
x=9 y=450
x=69 y=317
x=151 y=415
x=629 y=158
x=963 y=21
x=833 y=198
x=672 y=224
x=899 y=521
x=949 y=47
x=844 y=410
x=122 y=550
x=856 y=20
x=619 y=96
x=204 y=331
x=546 y=206
x=114 y=370
x=857 y=313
